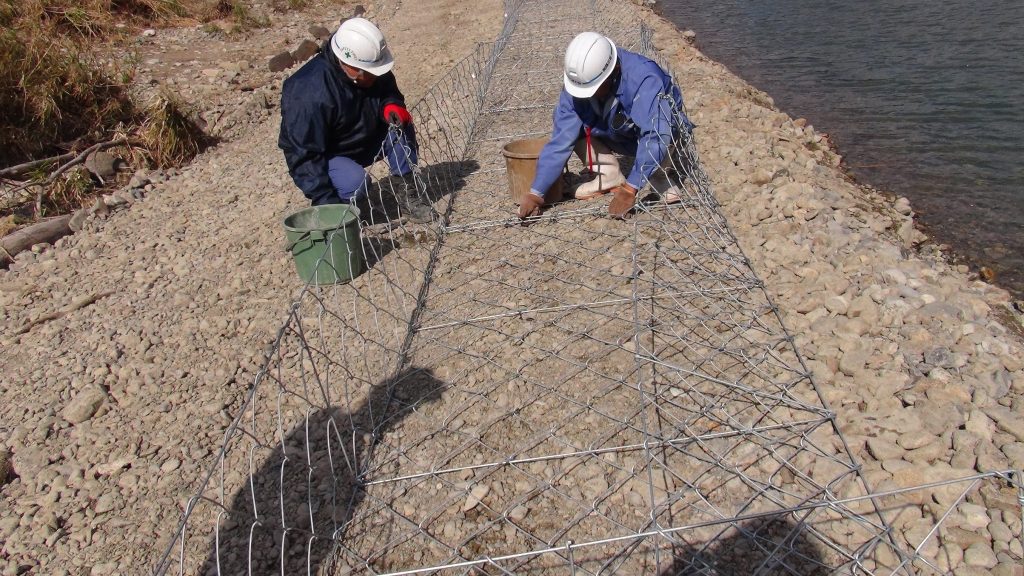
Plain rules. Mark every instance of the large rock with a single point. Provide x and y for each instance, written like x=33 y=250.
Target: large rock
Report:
x=319 y=32
x=914 y=439
x=305 y=51
x=973 y=516
x=1014 y=452
x=882 y=449
x=77 y=221
x=1007 y=421
x=84 y=405
x=102 y=165
x=853 y=361
x=981 y=556
x=939 y=417
x=281 y=62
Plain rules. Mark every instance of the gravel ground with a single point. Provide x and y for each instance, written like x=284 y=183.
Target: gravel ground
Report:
x=111 y=411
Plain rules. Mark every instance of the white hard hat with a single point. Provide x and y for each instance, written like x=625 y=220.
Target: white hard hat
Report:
x=360 y=44
x=589 y=61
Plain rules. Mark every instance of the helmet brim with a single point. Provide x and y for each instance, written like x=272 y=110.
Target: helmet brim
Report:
x=378 y=68
x=587 y=90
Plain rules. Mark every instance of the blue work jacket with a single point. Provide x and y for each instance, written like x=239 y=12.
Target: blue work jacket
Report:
x=640 y=120
x=323 y=115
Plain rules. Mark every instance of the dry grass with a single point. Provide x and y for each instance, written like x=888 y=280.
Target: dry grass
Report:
x=50 y=96
x=54 y=98
x=169 y=134
x=73 y=189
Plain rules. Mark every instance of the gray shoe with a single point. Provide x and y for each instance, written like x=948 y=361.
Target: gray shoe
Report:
x=410 y=193
x=369 y=213
x=417 y=210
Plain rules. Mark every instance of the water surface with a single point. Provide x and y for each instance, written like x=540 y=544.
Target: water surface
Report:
x=924 y=99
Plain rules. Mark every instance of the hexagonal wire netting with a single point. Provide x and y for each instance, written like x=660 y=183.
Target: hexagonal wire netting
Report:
x=578 y=395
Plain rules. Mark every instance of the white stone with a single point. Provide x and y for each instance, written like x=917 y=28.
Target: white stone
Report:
x=895 y=276
x=84 y=405
x=973 y=516
x=981 y=556
x=476 y=496
x=518 y=513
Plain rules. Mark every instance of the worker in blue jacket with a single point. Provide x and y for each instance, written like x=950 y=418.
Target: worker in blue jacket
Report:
x=336 y=113
x=613 y=101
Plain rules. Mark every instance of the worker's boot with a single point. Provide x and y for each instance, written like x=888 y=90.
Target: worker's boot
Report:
x=411 y=193
x=374 y=206
x=603 y=166
x=391 y=199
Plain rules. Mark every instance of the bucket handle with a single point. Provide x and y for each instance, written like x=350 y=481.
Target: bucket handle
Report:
x=307 y=235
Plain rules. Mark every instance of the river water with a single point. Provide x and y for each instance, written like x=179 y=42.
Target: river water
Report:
x=924 y=99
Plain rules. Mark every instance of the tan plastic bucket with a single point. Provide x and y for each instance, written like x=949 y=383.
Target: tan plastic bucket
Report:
x=521 y=167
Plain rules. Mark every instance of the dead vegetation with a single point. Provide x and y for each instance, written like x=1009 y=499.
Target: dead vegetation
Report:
x=57 y=99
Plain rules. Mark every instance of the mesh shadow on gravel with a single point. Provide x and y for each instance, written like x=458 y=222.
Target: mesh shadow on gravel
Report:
x=438 y=181
x=312 y=482
x=770 y=545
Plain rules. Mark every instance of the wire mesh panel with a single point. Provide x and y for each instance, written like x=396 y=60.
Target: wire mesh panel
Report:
x=285 y=482
x=579 y=395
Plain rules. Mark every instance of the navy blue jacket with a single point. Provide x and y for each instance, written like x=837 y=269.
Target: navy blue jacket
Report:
x=323 y=115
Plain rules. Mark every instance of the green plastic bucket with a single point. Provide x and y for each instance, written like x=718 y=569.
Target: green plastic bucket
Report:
x=325 y=244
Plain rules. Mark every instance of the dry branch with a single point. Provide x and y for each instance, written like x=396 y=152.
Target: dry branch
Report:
x=80 y=303
x=45 y=231
x=18 y=170
x=73 y=162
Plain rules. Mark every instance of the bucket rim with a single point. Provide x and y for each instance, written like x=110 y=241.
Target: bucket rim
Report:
x=351 y=216
x=523 y=155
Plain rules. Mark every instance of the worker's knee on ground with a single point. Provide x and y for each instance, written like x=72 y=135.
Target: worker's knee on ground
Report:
x=349 y=179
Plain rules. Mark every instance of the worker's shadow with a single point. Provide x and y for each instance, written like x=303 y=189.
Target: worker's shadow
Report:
x=286 y=520
x=770 y=545
x=386 y=229
x=445 y=178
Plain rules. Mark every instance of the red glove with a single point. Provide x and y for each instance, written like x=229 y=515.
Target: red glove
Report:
x=623 y=199
x=395 y=114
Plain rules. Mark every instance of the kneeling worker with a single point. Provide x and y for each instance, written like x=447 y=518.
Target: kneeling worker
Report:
x=613 y=101
x=335 y=117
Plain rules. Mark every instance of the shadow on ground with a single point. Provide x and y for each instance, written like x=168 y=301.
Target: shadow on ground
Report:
x=767 y=546
x=286 y=519
x=436 y=182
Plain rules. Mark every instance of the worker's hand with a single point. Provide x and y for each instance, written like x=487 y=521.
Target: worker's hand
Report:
x=530 y=205
x=395 y=114
x=624 y=197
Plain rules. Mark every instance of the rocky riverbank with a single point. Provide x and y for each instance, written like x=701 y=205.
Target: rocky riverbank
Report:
x=161 y=310
x=921 y=360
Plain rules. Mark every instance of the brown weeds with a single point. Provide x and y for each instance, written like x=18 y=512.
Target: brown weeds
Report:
x=50 y=96
x=169 y=134
x=56 y=99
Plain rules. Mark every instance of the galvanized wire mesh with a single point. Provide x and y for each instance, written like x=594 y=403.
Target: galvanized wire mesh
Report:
x=579 y=395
